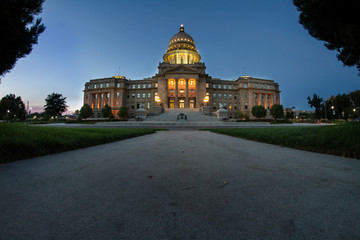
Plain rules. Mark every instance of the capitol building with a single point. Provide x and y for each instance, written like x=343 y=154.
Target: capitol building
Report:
x=181 y=82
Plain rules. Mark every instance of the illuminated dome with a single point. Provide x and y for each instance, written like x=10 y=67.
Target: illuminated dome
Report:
x=182 y=49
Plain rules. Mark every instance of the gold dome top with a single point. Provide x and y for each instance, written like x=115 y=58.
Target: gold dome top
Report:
x=181 y=49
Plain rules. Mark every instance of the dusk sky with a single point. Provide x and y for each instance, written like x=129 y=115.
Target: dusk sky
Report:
x=85 y=40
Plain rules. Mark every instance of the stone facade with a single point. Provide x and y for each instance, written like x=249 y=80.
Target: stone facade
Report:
x=181 y=82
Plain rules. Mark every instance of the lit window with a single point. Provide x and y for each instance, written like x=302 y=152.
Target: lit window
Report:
x=214 y=95
x=95 y=86
x=156 y=94
x=192 y=82
x=107 y=84
x=207 y=93
x=207 y=85
x=117 y=94
x=102 y=95
x=138 y=95
x=230 y=107
x=143 y=95
x=148 y=105
x=118 y=85
x=182 y=91
x=225 y=96
x=219 y=96
x=149 y=95
x=101 y=85
x=230 y=96
x=156 y=85
x=245 y=85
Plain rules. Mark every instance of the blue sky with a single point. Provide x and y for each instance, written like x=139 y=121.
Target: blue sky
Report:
x=84 y=40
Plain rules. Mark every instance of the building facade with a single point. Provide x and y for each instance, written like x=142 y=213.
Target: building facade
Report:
x=181 y=82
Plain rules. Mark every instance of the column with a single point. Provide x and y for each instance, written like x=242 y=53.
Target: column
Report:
x=187 y=94
x=90 y=100
x=197 y=100
x=176 y=104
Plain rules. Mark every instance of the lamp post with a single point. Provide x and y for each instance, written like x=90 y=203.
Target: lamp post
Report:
x=8 y=111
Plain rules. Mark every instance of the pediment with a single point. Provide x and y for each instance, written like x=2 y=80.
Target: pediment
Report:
x=182 y=69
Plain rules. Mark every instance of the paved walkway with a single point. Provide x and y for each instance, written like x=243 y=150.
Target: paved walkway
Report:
x=181 y=185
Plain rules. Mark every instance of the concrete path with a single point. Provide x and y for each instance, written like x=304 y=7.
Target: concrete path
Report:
x=181 y=185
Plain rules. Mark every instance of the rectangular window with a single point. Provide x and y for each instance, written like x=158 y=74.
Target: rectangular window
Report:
x=224 y=86
x=207 y=85
x=107 y=84
x=214 y=95
x=148 y=105
x=246 y=106
x=117 y=94
x=144 y=85
x=255 y=85
x=101 y=85
x=214 y=85
x=191 y=90
x=133 y=86
x=262 y=85
x=139 y=86
x=268 y=86
x=133 y=95
x=138 y=95
x=95 y=86
x=149 y=85
x=255 y=96
x=132 y=105
x=245 y=85
x=182 y=91
x=230 y=96
x=143 y=95
x=245 y=95
x=215 y=105
x=108 y=95
x=219 y=96
x=102 y=95
x=230 y=87
x=118 y=85
x=95 y=96
x=219 y=86
x=156 y=85
x=225 y=96
x=171 y=90
x=267 y=97
x=149 y=95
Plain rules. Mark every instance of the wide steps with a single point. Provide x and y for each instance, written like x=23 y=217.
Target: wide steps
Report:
x=192 y=114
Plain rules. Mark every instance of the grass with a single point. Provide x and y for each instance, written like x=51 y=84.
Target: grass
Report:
x=342 y=140
x=18 y=141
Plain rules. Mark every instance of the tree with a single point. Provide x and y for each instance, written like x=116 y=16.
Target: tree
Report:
x=258 y=111
x=12 y=107
x=86 y=111
x=336 y=23
x=106 y=112
x=316 y=103
x=277 y=111
x=55 y=105
x=123 y=112
x=19 y=37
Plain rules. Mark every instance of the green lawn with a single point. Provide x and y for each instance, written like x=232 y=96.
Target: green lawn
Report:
x=343 y=140
x=18 y=141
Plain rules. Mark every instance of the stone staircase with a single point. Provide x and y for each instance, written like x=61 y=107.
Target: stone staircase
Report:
x=192 y=114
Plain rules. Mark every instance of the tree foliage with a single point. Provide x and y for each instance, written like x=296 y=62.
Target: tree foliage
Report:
x=123 y=112
x=55 y=105
x=12 y=107
x=106 y=112
x=19 y=30
x=335 y=22
x=277 y=111
x=258 y=111
x=85 y=111
x=316 y=102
